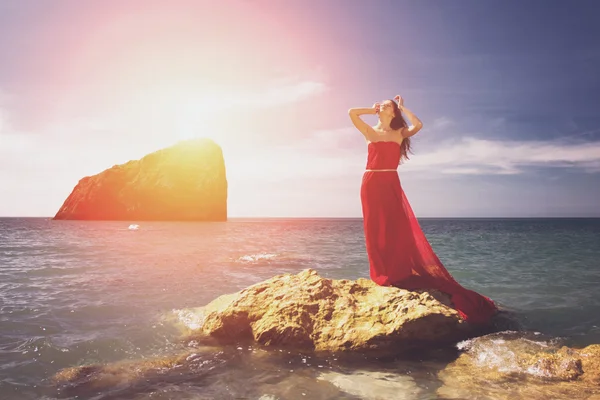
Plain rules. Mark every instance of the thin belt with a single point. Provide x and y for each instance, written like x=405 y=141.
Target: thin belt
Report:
x=375 y=170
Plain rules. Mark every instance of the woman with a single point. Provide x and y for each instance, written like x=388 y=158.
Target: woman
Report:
x=399 y=253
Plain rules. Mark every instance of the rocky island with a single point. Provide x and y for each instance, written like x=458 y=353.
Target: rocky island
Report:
x=314 y=316
x=184 y=182
x=299 y=312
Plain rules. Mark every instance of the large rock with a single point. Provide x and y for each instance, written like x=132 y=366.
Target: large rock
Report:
x=185 y=182
x=306 y=311
x=511 y=365
x=303 y=312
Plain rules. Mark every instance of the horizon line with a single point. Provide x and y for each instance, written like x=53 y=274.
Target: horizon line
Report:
x=321 y=217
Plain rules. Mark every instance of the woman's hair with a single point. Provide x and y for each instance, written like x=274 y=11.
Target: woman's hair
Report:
x=396 y=123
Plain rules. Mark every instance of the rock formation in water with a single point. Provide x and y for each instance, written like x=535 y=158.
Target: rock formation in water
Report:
x=184 y=182
x=306 y=311
x=303 y=312
x=509 y=365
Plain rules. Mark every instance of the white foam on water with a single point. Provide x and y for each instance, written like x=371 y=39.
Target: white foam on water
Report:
x=191 y=318
x=253 y=258
x=133 y=227
x=370 y=385
x=502 y=353
x=537 y=371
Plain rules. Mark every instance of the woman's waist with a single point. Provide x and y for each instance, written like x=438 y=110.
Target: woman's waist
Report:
x=379 y=176
x=382 y=164
x=384 y=167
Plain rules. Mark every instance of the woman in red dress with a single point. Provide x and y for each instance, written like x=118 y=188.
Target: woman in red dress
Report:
x=399 y=253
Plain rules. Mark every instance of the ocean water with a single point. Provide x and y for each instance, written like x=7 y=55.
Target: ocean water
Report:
x=75 y=293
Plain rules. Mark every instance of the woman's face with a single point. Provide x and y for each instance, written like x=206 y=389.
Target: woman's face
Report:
x=387 y=108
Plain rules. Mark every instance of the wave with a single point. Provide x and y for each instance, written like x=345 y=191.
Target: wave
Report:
x=505 y=351
x=259 y=258
x=276 y=259
x=188 y=318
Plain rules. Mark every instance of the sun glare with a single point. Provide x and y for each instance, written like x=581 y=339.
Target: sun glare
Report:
x=183 y=113
x=195 y=116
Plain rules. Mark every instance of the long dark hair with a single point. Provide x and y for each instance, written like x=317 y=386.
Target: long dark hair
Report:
x=396 y=123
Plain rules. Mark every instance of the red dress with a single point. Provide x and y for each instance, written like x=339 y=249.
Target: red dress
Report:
x=399 y=253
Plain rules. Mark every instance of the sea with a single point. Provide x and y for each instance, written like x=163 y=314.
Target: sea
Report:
x=118 y=293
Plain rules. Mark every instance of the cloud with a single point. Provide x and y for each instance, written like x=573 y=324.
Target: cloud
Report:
x=482 y=157
x=342 y=141
x=441 y=123
x=160 y=118
x=273 y=94
x=467 y=156
x=74 y=147
x=3 y=113
x=288 y=93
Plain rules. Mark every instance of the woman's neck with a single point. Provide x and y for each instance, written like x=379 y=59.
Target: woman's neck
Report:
x=384 y=122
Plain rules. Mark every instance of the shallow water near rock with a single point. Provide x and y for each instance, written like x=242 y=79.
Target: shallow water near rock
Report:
x=84 y=293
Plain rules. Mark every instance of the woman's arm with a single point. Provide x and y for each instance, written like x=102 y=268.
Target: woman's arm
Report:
x=415 y=122
x=361 y=125
x=412 y=118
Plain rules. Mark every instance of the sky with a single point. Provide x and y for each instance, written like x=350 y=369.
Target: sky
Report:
x=508 y=92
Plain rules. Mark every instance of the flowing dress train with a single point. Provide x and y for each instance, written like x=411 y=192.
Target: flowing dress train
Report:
x=399 y=253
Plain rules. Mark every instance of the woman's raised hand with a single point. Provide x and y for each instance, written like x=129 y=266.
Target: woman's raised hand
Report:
x=376 y=107
x=399 y=100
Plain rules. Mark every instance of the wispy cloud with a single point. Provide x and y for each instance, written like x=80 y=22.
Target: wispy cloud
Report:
x=3 y=112
x=2 y=120
x=287 y=93
x=466 y=156
x=442 y=122
x=142 y=113
x=274 y=94
x=476 y=156
x=320 y=154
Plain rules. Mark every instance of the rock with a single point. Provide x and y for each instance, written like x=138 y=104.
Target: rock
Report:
x=308 y=312
x=513 y=366
x=130 y=375
x=590 y=363
x=185 y=182
x=562 y=365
